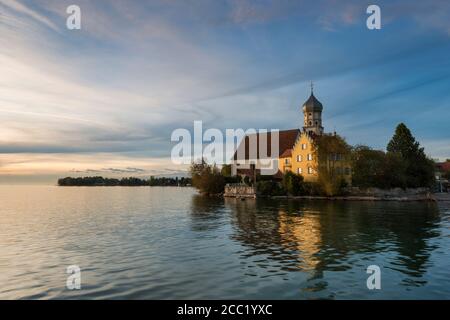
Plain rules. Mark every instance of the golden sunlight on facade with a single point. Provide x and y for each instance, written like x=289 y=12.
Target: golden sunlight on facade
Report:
x=298 y=149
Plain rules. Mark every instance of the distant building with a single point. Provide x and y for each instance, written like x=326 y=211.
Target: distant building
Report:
x=443 y=166
x=296 y=148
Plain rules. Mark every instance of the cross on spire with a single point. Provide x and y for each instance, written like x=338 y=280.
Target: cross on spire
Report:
x=312 y=87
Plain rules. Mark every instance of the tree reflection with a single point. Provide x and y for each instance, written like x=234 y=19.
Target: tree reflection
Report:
x=325 y=236
x=207 y=213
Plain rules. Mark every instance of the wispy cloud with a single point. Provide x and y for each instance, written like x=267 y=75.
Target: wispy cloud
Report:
x=20 y=8
x=137 y=70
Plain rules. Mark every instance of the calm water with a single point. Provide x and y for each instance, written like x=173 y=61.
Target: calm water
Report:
x=164 y=243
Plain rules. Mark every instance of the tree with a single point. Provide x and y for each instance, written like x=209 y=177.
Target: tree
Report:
x=368 y=167
x=375 y=168
x=207 y=178
x=333 y=155
x=419 y=169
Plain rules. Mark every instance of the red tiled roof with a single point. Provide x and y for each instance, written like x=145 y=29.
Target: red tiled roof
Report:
x=444 y=166
x=287 y=139
x=287 y=153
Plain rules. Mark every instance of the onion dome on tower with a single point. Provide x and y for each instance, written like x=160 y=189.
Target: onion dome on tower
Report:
x=312 y=112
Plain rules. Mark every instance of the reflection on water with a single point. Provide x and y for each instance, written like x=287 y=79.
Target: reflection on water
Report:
x=165 y=243
x=319 y=237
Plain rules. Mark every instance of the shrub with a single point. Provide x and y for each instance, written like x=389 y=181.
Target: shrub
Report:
x=293 y=183
x=207 y=178
x=269 y=188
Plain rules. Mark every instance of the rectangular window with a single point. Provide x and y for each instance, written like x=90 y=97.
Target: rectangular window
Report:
x=286 y=161
x=310 y=157
x=310 y=170
x=304 y=146
x=299 y=158
x=299 y=171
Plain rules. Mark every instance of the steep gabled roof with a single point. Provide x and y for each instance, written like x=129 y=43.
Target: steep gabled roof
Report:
x=287 y=139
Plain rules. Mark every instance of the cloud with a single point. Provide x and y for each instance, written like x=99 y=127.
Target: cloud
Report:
x=126 y=170
x=137 y=70
x=20 y=8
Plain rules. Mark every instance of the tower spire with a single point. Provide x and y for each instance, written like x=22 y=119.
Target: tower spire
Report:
x=312 y=114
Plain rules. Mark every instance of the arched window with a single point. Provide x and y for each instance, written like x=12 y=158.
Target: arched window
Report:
x=310 y=123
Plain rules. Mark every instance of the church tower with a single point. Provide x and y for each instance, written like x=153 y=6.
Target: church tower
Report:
x=312 y=115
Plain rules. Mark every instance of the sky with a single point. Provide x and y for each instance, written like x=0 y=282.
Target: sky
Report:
x=105 y=99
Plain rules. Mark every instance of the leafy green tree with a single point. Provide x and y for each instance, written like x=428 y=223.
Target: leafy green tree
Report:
x=419 y=169
x=375 y=168
x=394 y=172
x=368 y=167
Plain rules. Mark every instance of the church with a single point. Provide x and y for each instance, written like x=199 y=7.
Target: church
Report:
x=296 y=149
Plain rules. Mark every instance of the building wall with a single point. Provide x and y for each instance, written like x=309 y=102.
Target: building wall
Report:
x=302 y=160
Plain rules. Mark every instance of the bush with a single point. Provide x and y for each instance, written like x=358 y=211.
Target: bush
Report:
x=207 y=178
x=314 y=189
x=331 y=186
x=226 y=170
x=293 y=184
x=446 y=175
x=235 y=179
x=269 y=188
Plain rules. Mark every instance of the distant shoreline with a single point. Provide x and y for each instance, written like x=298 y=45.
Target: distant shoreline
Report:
x=123 y=182
x=109 y=186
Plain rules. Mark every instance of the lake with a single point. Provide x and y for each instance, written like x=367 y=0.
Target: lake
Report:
x=170 y=243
